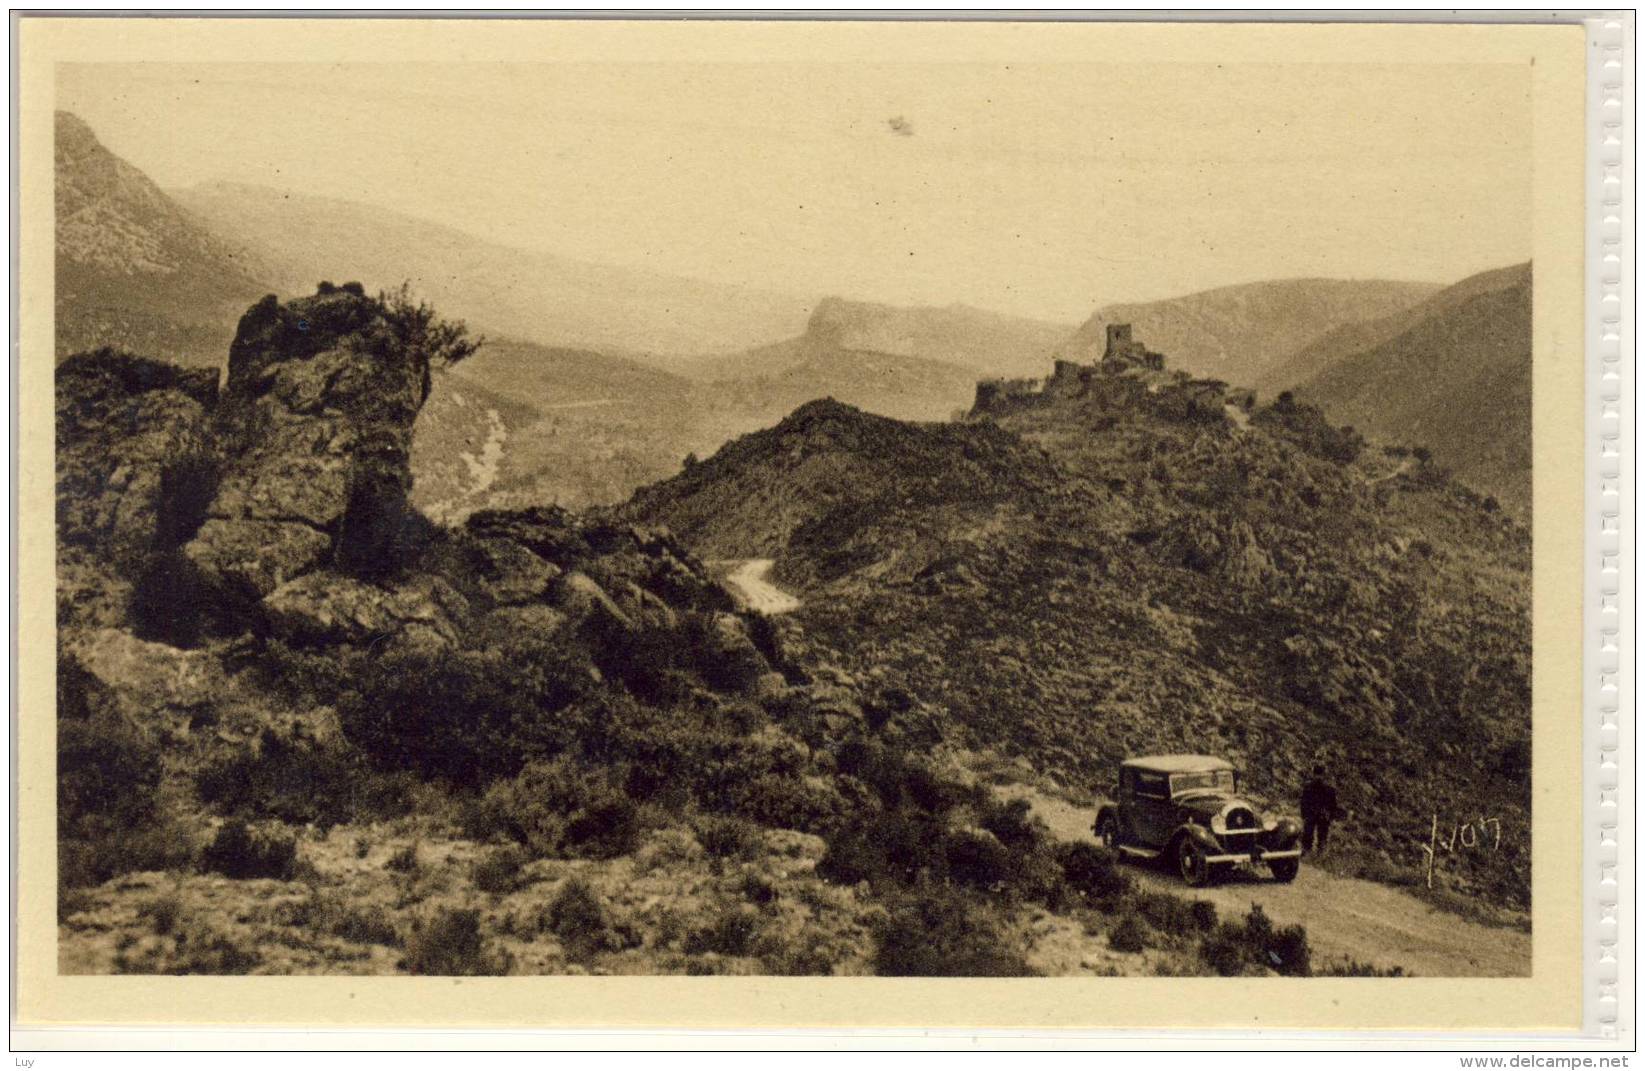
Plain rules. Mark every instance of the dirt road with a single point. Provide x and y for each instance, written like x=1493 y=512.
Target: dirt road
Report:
x=1345 y=917
x=747 y=581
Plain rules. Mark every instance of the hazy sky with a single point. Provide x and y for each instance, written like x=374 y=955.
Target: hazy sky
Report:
x=1046 y=189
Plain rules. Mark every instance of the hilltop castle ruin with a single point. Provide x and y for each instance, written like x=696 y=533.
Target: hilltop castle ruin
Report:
x=1126 y=369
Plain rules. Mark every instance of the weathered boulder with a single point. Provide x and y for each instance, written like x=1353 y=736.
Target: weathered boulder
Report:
x=550 y=532
x=726 y=655
x=1231 y=552
x=135 y=460
x=325 y=607
x=509 y=572
x=316 y=423
x=511 y=624
x=151 y=687
x=589 y=608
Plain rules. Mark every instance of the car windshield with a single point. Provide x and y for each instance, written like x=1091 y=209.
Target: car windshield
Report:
x=1204 y=779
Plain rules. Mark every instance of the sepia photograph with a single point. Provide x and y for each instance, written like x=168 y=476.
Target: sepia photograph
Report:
x=886 y=517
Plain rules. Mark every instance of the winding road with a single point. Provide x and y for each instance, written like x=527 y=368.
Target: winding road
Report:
x=1345 y=917
x=748 y=584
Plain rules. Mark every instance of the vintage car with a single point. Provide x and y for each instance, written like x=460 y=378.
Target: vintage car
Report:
x=1188 y=808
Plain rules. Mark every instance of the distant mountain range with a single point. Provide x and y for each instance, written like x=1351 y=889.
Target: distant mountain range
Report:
x=133 y=268
x=984 y=343
x=1238 y=333
x=600 y=373
x=509 y=291
x=1452 y=373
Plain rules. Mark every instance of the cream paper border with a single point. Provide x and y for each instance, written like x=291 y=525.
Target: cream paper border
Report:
x=1548 y=1001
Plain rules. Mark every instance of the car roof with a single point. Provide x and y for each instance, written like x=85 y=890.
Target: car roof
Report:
x=1178 y=763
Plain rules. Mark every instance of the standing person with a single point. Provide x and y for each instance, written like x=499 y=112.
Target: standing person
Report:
x=1319 y=807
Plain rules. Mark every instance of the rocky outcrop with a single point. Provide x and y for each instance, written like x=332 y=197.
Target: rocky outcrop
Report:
x=129 y=431
x=154 y=689
x=316 y=421
x=136 y=466
x=1227 y=549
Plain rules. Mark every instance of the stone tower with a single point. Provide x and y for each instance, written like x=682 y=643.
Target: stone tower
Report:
x=1119 y=341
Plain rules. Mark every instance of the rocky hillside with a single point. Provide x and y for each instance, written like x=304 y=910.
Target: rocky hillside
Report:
x=1451 y=374
x=135 y=269
x=1238 y=333
x=534 y=296
x=304 y=729
x=1134 y=562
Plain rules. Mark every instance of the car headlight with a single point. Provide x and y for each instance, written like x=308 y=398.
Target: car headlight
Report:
x=1269 y=823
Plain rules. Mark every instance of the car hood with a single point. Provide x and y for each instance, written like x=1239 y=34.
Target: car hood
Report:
x=1211 y=802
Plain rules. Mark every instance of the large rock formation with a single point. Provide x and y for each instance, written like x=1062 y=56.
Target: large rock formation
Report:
x=135 y=464
x=316 y=422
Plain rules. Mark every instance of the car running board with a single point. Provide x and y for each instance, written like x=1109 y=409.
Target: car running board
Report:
x=1140 y=853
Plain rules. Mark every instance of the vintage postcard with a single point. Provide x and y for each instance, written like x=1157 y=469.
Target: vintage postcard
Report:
x=999 y=524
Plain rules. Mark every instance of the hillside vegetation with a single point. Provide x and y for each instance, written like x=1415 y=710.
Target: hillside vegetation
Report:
x=304 y=729
x=1142 y=565
x=1452 y=375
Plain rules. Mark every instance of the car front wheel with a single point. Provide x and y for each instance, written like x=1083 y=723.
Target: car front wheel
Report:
x=1285 y=869
x=1108 y=832
x=1191 y=863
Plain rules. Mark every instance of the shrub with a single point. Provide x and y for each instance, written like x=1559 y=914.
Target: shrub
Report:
x=109 y=818
x=84 y=862
x=1230 y=948
x=1091 y=871
x=1259 y=928
x=788 y=802
x=1129 y=934
x=405 y=860
x=301 y=783
x=209 y=951
x=1205 y=915
x=728 y=837
x=240 y=852
x=604 y=828
x=757 y=890
x=885 y=846
x=973 y=857
x=1011 y=823
x=468 y=717
x=163 y=913
x=327 y=914
x=417 y=327
x=1167 y=913
x=559 y=808
x=579 y=919
x=1224 y=950
x=935 y=933
x=732 y=933
x=1288 y=951
x=1353 y=968
x=499 y=871
x=804 y=957
x=451 y=945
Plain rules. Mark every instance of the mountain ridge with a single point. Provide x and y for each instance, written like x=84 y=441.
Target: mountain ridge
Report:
x=1451 y=375
x=135 y=269
x=1234 y=333
x=538 y=296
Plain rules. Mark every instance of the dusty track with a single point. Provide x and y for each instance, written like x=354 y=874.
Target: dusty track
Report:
x=1345 y=917
x=747 y=581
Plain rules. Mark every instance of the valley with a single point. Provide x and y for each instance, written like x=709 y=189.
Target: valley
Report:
x=610 y=622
